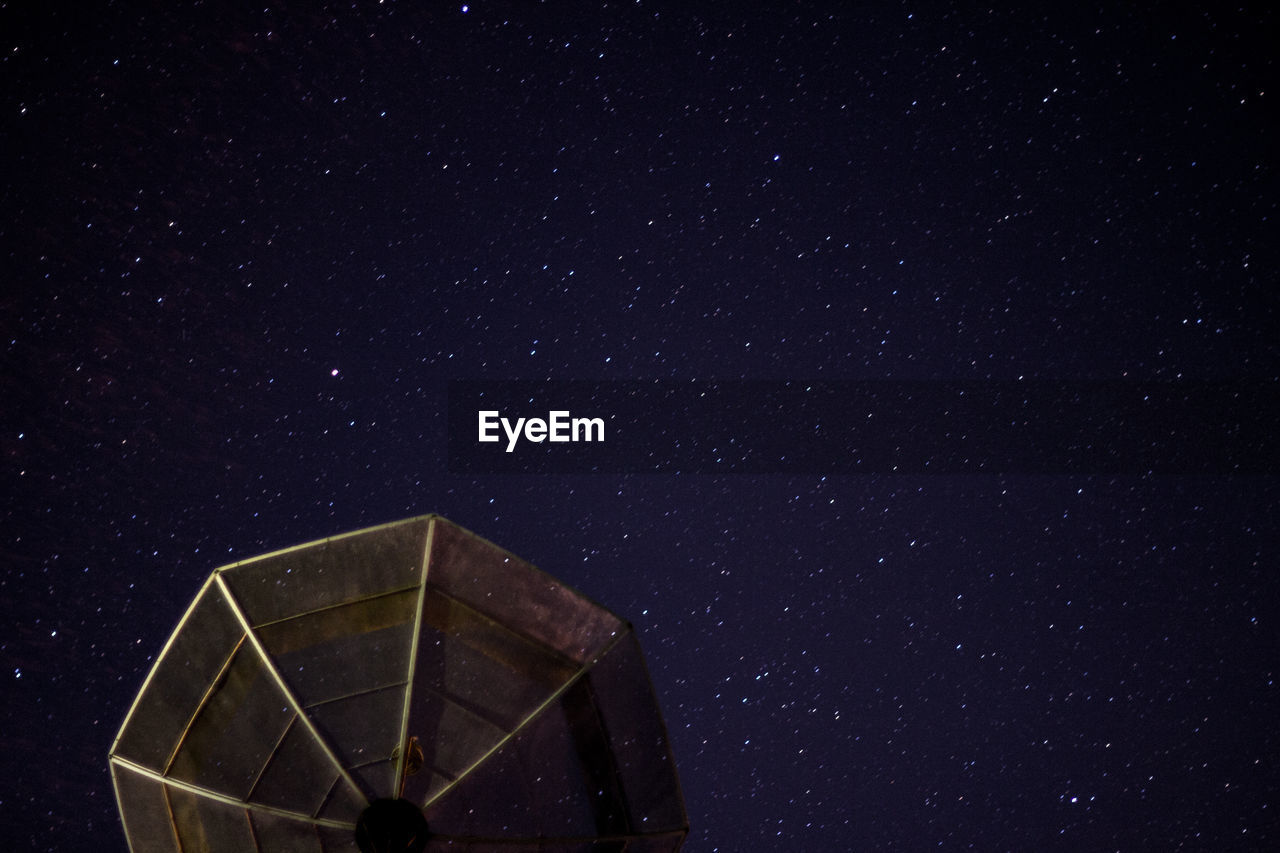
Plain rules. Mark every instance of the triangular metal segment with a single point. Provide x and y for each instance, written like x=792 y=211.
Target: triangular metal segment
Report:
x=334 y=571
x=241 y=722
x=270 y=668
x=488 y=661
x=187 y=670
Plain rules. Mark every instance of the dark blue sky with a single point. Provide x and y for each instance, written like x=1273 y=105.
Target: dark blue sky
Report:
x=246 y=251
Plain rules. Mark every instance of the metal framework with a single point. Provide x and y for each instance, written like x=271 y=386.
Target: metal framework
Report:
x=296 y=685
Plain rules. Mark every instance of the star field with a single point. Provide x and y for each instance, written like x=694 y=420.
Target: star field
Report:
x=246 y=250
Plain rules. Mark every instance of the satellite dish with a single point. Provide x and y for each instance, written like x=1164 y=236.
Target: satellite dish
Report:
x=409 y=687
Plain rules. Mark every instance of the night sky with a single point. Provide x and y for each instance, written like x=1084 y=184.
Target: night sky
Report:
x=246 y=251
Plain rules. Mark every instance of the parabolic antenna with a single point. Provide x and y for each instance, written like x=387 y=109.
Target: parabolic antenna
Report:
x=320 y=687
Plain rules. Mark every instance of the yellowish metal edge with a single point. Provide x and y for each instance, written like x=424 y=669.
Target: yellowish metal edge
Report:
x=433 y=517
x=335 y=538
x=271 y=669
x=115 y=786
x=377 y=688
x=275 y=750
x=328 y=607
x=208 y=794
x=173 y=821
x=156 y=666
x=413 y=657
x=204 y=700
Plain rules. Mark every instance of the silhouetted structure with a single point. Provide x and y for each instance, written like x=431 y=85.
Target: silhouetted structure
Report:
x=408 y=662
